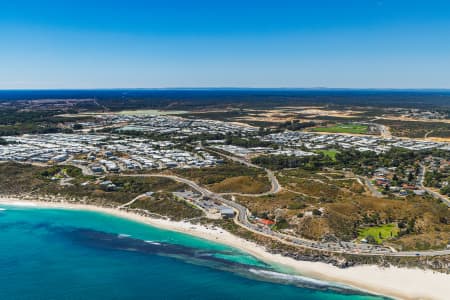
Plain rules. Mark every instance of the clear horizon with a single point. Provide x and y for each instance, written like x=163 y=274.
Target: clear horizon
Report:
x=230 y=88
x=83 y=44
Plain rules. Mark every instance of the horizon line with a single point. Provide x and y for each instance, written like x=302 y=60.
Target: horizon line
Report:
x=227 y=88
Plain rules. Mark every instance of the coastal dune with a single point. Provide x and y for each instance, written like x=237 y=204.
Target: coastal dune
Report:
x=400 y=283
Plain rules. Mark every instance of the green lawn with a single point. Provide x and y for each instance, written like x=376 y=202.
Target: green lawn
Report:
x=331 y=153
x=343 y=128
x=380 y=233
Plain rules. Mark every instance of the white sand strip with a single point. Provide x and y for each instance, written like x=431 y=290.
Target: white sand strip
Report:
x=401 y=283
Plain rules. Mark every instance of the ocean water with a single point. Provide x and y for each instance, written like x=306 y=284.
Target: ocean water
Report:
x=68 y=254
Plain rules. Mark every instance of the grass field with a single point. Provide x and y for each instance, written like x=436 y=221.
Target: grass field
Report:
x=343 y=128
x=331 y=153
x=380 y=233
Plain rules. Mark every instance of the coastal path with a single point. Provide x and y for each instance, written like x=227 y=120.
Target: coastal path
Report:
x=131 y=202
x=242 y=219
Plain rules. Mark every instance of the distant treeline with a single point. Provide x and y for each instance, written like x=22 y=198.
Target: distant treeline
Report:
x=12 y=117
x=247 y=142
x=296 y=125
x=14 y=122
x=255 y=98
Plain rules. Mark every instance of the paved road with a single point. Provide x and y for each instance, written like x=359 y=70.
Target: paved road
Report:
x=275 y=185
x=84 y=169
x=242 y=219
x=436 y=195
x=427 y=134
x=385 y=131
x=190 y=183
x=371 y=188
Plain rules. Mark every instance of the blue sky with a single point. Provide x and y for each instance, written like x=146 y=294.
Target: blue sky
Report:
x=168 y=43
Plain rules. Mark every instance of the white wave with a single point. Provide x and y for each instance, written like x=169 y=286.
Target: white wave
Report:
x=153 y=243
x=292 y=278
x=205 y=254
x=2 y=209
x=123 y=235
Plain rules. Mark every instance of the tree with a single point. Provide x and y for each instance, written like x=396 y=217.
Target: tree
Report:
x=77 y=126
x=370 y=239
x=445 y=190
x=261 y=131
x=282 y=223
x=67 y=130
x=316 y=212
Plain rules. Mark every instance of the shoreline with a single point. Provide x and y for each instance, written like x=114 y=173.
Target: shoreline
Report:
x=399 y=283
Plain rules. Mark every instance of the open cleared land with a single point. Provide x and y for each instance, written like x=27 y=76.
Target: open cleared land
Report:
x=418 y=129
x=438 y=130
x=152 y=112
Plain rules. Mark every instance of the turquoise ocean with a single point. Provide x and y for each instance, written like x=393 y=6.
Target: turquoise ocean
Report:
x=70 y=254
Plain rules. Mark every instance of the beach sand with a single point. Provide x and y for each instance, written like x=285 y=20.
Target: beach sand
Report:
x=400 y=283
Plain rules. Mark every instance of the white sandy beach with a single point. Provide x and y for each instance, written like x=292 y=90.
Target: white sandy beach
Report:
x=401 y=283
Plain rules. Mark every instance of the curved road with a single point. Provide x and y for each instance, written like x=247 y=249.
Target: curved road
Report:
x=275 y=185
x=242 y=219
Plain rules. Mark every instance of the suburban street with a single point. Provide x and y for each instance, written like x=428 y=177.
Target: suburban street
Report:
x=371 y=188
x=421 y=178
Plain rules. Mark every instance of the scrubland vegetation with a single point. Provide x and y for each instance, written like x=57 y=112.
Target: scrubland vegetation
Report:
x=322 y=204
x=229 y=178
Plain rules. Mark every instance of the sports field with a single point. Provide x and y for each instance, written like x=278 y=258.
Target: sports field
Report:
x=343 y=128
